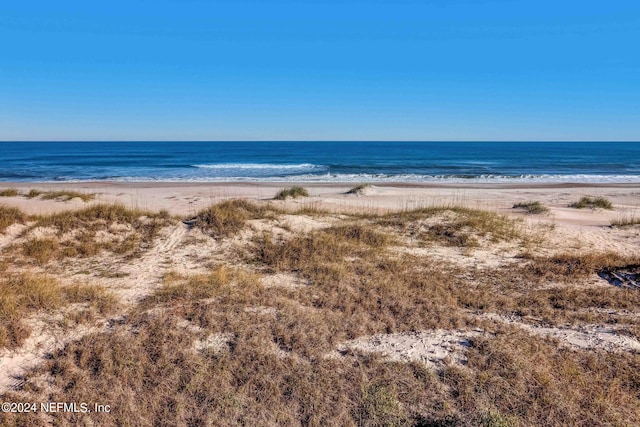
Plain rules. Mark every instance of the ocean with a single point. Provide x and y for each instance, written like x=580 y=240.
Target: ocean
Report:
x=481 y=162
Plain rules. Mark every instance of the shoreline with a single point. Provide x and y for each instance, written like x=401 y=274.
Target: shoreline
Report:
x=187 y=198
x=329 y=184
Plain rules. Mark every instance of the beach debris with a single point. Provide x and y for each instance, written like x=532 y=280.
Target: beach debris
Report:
x=624 y=277
x=190 y=222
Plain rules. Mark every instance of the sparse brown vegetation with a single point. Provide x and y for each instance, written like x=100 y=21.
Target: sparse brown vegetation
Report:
x=33 y=193
x=25 y=294
x=84 y=225
x=67 y=195
x=227 y=218
x=359 y=189
x=533 y=208
x=223 y=347
x=9 y=216
x=63 y=195
x=9 y=192
x=592 y=203
x=453 y=226
x=291 y=192
x=625 y=220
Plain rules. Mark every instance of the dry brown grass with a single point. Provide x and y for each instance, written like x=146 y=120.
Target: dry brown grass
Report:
x=533 y=208
x=9 y=192
x=592 y=203
x=64 y=195
x=268 y=363
x=24 y=294
x=86 y=224
x=454 y=226
x=9 y=216
x=291 y=192
x=229 y=217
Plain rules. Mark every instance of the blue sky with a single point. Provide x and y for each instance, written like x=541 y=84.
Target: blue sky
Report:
x=301 y=70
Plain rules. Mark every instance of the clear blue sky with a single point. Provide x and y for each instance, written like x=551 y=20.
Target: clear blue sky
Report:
x=346 y=70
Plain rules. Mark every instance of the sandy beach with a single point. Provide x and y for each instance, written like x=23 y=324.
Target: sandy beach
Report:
x=273 y=260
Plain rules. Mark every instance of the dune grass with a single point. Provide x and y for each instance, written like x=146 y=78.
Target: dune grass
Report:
x=224 y=348
x=229 y=217
x=625 y=220
x=25 y=294
x=63 y=195
x=85 y=224
x=67 y=195
x=9 y=192
x=533 y=208
x=9 y=216
x=454 y=226
x=291 y=192
x=592 y=203
x=358 y=189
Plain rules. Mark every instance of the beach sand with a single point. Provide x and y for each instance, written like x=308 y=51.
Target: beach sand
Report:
x=178 y=249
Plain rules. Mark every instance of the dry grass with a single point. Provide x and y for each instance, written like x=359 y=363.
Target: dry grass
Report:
x=291 y=192
x=359 y=189
x=67 y=195
x=9 y=192
x=9 y=216
x=625 y=220
x=64 y=195
x=454 y=226
x=592 y=203
x=229 y=217
x=25 y=294
x=221 y=348
x=532 y=208
x=33 y=193
x=84 y=226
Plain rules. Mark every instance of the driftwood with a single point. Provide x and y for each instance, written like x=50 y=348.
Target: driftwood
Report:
x=624 y=277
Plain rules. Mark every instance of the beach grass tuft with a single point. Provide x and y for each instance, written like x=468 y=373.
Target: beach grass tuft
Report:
x=292 y=192
x=592 y=203
x=359 y=189
x=24 y=294
x=9 y=192
x=533 y=207
x=9 y=216
x=625 y=220
x=229 y=217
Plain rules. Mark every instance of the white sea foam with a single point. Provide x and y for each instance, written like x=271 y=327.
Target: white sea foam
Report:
x=405 y=178
x=258 y=166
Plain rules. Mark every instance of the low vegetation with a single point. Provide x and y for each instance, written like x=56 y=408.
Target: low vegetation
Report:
x=67 y=195
x=25 y=294
x=625 y=220
x=9 y=216
x=9 y=192
x=291 y=192
x=533 y=208
x=592 y=203
x=254 y=338
x=227 y=218
x=123 y=231
x=453 y=226
x=63 y=195
x=359 y=189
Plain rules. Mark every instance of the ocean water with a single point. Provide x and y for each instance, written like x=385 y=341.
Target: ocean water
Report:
x=592 y=162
